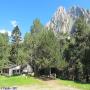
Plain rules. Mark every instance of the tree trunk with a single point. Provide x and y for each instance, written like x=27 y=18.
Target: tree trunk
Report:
x=35 y=71
x=49 y=72
x=87 y=76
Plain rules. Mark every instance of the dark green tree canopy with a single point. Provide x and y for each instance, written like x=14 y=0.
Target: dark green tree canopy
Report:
x=16 y=39
x=16 y=35
x=68 y=54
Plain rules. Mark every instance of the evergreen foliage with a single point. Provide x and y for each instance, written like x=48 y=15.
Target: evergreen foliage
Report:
x=69 y=54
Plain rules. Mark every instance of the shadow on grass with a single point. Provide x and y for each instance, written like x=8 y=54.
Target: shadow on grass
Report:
x=76 y=81
x=45 y=78
x=82 y=82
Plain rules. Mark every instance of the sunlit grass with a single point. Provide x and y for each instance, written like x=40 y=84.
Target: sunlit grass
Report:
x=18 y=80
x=23 y=80
x=81 y=86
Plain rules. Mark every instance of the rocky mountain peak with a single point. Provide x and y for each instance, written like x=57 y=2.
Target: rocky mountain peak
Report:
x=63 y=21
x=59 y=22
x=61 y=10
x=76 y=12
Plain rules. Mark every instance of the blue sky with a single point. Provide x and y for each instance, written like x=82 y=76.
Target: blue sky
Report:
x=23 y=12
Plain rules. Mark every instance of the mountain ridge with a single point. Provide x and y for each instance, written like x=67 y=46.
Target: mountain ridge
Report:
x=63 y=20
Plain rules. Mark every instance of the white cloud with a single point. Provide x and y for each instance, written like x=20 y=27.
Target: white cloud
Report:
x=14 y=23
x=5 y=31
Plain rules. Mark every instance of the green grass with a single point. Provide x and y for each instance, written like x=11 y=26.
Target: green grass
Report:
x=21 y=80
x=18 y=80
x=80 y=86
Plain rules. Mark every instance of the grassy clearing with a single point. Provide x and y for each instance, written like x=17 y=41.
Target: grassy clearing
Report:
x=18 y=80
x=74 y=84
x=21 y=80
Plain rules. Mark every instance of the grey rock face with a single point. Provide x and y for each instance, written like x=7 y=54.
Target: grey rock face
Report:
x=63 y=21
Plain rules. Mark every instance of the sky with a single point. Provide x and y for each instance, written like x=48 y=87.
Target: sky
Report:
x=23 y=12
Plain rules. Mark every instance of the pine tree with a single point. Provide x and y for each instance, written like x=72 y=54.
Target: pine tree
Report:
x=16 y=38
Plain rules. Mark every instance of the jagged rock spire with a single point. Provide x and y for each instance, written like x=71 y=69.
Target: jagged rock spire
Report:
x=62 y=20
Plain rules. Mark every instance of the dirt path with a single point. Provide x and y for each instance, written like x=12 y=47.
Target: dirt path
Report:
x=49 y=85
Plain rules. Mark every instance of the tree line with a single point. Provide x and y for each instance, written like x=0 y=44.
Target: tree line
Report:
x=68 y=53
